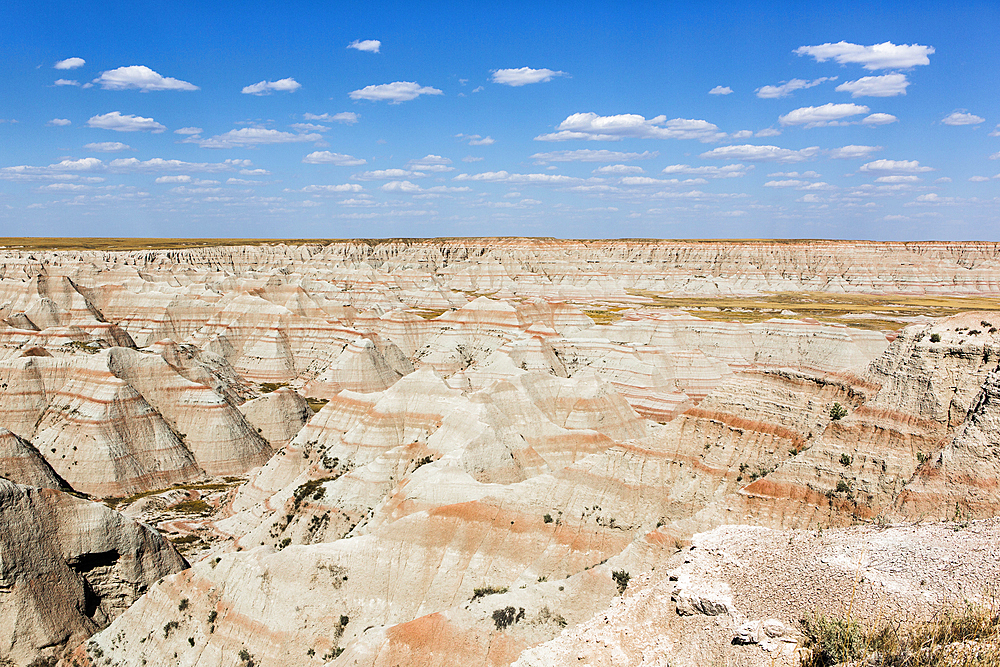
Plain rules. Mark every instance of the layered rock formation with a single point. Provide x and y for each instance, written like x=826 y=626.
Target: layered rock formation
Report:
x=451 y=447
x=68 y=567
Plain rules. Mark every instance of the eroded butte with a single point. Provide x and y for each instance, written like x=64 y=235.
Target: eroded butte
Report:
x=486 y=452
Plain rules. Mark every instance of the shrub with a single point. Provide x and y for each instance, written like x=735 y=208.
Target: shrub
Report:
x=935 y=338
x=845 y=460
x=837 y=412
x=507 y=616
x=843 y=487
x=832 y=641
x=621 y=578
x=547 y=518
x=487 y=590
x=183 y=604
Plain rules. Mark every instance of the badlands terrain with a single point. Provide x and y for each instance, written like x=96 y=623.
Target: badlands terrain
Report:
x=488 y=452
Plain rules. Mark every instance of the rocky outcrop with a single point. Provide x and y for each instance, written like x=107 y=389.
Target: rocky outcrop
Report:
x=68 y=567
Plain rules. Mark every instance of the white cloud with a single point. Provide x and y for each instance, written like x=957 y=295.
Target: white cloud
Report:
x=523 y=75
x=159 y=164
x=250 y=137
x=995 y=132
x=728 y=171
x=721 y=90
x=288 y=85
x=790 y=183
x=394 y=93
x=476 y=140
x=345 y=187
x=108 y=147
x=995 y=156
x=369 y=45
x=188 y=130
x=828 y=114
x=979 y=179
x=141 y=78
x=70 y=63
x=309 y=127
x=339 y=159
x=240 y=181
x=387 y=174
x=66 y=82
x=174 y=179
x=591 y=155
x=887 y=85
x=879 y=119
x=255 y=172
x=943 y=179
x=119 y=123
x=592 y=127
x=852 y=152
x=434 y=163
x=768 y=132
x=619 y=169
x=787 y=88
x=401 y=186
x=741 y=134
x=472 y=158
x=505 y=177
x=753 y=153
x=60 y=122
x=345 y=117
x=962 y=118
x=897 y=166
x=877 y=56
x=794 y=174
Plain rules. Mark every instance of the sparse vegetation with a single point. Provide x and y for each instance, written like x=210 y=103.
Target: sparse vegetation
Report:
x=846 y=460
x=170 y=627
x=837 y=412
x=621 y=578
x=843 y=486
x=547 y=518
x=935 y=338
x=506 y=617
x=183 y=604
x=487 y=590
x=268 y=387
x=963 y=637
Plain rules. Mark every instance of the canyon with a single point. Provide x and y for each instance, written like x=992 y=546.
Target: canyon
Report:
x=488 y=451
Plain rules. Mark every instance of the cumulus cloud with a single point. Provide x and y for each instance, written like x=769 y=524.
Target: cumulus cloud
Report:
x=188 y=130
x=345 y=187
x=388 y=174
x=70 y=63
x=887 y=85
x=721 y=90
x=753 y=153
x=183 y=178
x=63 y=171
x=393 y=93
x=592 y=127
x=619 y=169
x=119 y=123
x=108 y=147
x=66 y=82
x=60 y=122
x=897 y=166
x=728 y=171
x=768 y=132
x=879 y=119
x=877 y=56
x=979 y=179
x=794 y=174
x=132 y=164
x=141 y=78
x=590 y=155
x=288 y=85
x=788 y=87
x=369 y=45
x=852 y=152
x=898 y=178
x=828 y=114
x=345 y=117
x=250 y=137
x=309 y=127
x=338 y=159
x=401 y=186
x=434 y=163
x=505 y=177
x=524 y=75
x=472 y=158
x=962 y=118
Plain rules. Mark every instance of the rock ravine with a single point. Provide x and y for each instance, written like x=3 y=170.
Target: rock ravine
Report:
x=489 y=452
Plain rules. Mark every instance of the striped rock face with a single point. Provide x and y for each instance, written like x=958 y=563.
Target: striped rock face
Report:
x=452 y=450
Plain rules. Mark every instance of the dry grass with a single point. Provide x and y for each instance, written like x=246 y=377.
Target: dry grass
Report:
x=861 y=311
x=604 y=315
x=965 y=637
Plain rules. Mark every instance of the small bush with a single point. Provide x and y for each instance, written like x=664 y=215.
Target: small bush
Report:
x=621 y=578
x=843 y=487
x=837 y=412
x=547 y=518
x=212 y=615
x=487 y=590
x=170 y=626
x=504 y=618
x=935 y=338
x=832 y=641
x=183 y=604
x=845 y=460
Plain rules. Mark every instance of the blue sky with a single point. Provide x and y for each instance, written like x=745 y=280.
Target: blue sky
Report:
x=586 y=120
